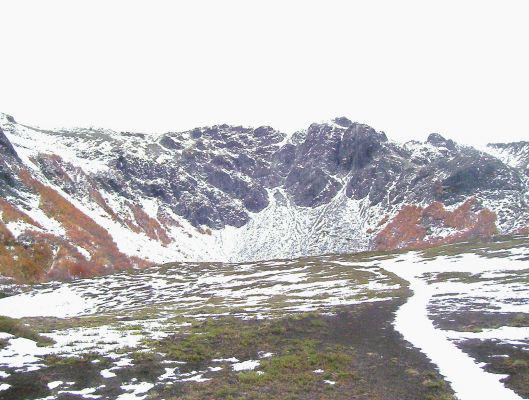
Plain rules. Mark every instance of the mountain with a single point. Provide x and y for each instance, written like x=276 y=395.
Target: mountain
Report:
x=78 y=202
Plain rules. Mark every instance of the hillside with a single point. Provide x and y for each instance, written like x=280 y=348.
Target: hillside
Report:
x=83 y=202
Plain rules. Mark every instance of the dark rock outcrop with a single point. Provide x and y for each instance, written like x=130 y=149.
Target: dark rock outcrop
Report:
x=330 y=188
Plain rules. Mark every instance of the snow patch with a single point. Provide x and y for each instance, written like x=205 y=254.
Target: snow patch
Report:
x=249 y=365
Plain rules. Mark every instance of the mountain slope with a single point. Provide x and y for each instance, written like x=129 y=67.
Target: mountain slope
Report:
x=79 y=202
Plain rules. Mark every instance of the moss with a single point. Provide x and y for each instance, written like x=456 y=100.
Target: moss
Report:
x=18 y=329
x=291 y=367
x=143 y=356
x=134 y=327
x=442 y=396
x=463 y=277
x=209 y=339
x=300 y=343
x=57 y=361
x=225 y=393
x=253 y=378
x=433 y=384
x=87 y=358
x=519 y=364
x=521 y=320
x=294 y=368
x=490 y=248
x=472 y=328
x=48 y=324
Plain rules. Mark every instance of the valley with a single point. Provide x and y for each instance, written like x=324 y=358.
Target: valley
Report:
x=442 y=323
x=237 y=200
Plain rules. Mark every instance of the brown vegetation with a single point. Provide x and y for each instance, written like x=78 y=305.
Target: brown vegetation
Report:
x=410 y=227
x=42 y=256
x=148 y=225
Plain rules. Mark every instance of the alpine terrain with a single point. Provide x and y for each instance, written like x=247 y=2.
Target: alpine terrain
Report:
x=230 y=263
x=82 y=202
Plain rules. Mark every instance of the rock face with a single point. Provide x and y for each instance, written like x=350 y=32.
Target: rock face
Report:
x=514 y=154
x=85 y=201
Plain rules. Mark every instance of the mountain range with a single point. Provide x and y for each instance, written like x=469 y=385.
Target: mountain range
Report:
x=86 y=201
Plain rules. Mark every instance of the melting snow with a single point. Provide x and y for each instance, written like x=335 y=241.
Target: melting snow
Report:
x=106 y=373
x=246 y=365
x=135 y=389
x=465 y=375
x=231 y=360
x=4 y=386
x=86 y=393
x=54 y=384
x=62 y=302
x=195 y=378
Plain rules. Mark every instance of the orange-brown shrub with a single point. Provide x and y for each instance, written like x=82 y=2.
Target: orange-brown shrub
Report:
x=82 y=231
x=148 y=225
x=409 y=227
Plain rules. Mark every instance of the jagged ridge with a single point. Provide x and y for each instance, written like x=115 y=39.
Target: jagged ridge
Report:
x=84 y=201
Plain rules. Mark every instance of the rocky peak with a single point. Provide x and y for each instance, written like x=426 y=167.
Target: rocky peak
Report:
x=515 y=154
x=514 y=145
x=438 y=140
x=240 y=193
x=6 y=118
x=5 y=145
x=320 y=146
x=343 y=121
x=358 y=146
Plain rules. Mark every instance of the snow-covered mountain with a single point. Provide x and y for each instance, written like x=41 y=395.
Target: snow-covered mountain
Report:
x=78 y=202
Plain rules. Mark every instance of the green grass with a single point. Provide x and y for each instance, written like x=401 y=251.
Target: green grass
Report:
x=521 y=320
x=300 y=345
x=18 y=329
x=491 y=248
x=75 y=361
x=216 y=339
x=519 y=364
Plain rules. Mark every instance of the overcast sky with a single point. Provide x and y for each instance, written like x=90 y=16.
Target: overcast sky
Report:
x=408 y=68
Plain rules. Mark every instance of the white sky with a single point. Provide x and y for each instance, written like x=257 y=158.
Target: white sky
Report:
x=408 y=68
